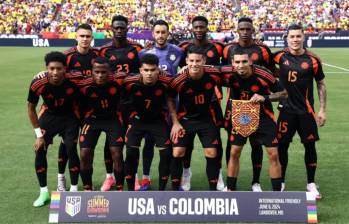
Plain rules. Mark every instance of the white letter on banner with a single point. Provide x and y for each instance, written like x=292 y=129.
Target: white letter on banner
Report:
x=234 y=210
x=190 y=207
x=173 y=211
x=182 y=206
x=198 y=206
x=209 y=206
x=141 y=206
x=131 y=206
x=150 y=206
x=219 y=206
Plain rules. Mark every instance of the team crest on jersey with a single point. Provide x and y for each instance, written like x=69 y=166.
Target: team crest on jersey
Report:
x=158 y=92
x=210 y=54
x=254 y=57
x=112 y=58
x=254 y=88
x=173 y=57
x=69 y=91
x=72 y=205
x=131 y=55
x=208 y=86
x=112 y=91
x=245 y=117
x=304 y=65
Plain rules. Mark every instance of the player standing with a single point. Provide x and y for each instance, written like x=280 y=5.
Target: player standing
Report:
x=169 y=58
x=260 y=55
x=254 y=83
x=298 y=68
x=60 y=97
x=123 y=57
x=213 y=51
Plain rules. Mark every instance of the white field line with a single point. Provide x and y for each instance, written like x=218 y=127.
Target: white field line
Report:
x=337 y=72
x=334 y=66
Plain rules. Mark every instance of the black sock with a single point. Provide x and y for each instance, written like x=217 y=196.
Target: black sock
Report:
x=119 y=179
x=310 y=159
x=164 y=168
x=257 y=161
x=86 y=177
x=74 y=163
x=41 y=167
x=231 y=183
x=176 y=172
x=108 y=161
x=187 y=156
x=283 y=157
x=276 y=184
x=212 y=172
x=62 y=158
x=148 y=154
x=131 y=163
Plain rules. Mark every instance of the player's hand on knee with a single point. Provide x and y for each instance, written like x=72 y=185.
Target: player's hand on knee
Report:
x=321 y=118
x=39 y=144
x=177 y=131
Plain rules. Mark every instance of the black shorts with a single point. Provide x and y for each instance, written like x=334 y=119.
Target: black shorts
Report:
x=206 y=130
x=265 y=134
x=227 y=116
x=66 y=126
x=216 y=113
x=92 y=129
x=158 y=130
x=304 y=124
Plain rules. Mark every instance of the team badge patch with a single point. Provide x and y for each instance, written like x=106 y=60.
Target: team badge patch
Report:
x=72 y=205
x=173 y=57
x=245 y=117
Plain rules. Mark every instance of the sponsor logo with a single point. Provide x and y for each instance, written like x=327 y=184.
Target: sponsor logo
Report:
x=98 y=206
x=72 y=205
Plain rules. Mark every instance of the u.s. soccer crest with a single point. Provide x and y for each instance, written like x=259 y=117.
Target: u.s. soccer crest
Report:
x=72 y=205
x=245 y=117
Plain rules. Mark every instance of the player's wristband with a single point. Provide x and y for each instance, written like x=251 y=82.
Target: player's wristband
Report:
x=38 y=132
x=266 y=98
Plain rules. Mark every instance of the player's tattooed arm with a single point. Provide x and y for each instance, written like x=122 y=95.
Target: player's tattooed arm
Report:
x=256 y=98
x=321 y=89
x=33 y=117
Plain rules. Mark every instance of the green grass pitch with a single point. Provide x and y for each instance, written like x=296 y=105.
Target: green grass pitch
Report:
x=19 y=187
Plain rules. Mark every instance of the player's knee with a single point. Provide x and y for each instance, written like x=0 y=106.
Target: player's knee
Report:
x=178 y=152
x=211 y=152
x=235 y=152
x=273 y=155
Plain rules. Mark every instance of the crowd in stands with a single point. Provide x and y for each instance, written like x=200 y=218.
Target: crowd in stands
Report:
x=63 y=16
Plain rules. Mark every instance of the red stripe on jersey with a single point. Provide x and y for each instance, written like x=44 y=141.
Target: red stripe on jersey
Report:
x=178 y=79
x=219 y=47
x=269 y=113
x=315 y=65
x=265 y=54
x=71 y=50
x=211 y=69
x=265 y=74
x=310 y=109
x=132 y=78
x=278 y=56
x=37 y=84
x=69 y=59
x=184 y=44
x=264 y=83
x=227 y=69
x=226 y=51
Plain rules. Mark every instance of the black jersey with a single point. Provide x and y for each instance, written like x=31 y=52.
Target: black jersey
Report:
x=213 y=50
x=195 y=95
x=297 y=73
x=81 y=62
x=261 y=82
x=122 y=59
x=102 y=101
x=148 y=103
x=259 y=53
x=59 y=100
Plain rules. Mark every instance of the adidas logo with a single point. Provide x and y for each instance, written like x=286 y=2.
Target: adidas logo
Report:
x=311 y=137
x=215 y=142
x=49 y=96
x=119 y=139
x=77 y=64
x=112 y=58
x=94 y=95
x=275 y=141
x=138 y=93
x=189 y=91
x=286 y=62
